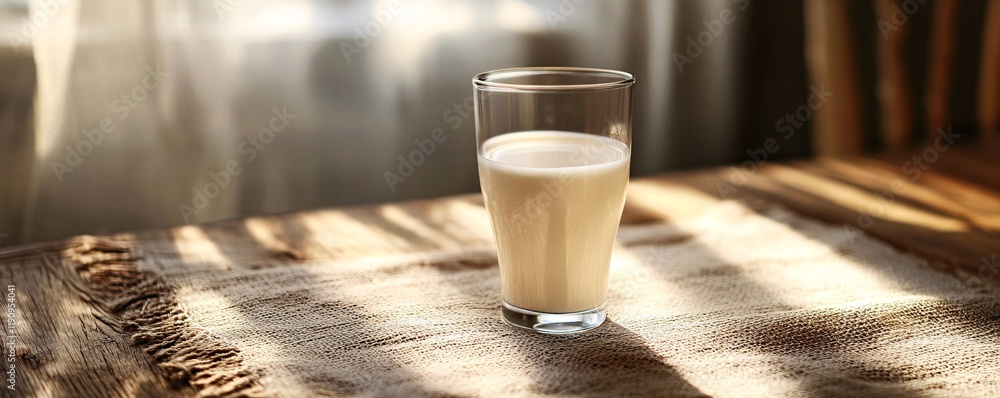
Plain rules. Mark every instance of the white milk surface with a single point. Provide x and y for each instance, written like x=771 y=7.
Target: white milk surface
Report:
x=555 y=199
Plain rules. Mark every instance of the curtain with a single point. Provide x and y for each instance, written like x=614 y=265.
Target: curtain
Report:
x=167 y=112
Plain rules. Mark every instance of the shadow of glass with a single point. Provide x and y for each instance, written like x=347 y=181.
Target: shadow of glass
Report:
x=608 y=361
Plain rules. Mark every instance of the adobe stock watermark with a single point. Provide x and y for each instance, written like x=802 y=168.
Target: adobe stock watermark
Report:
x=787 y=125
x=552 y=188
x=363 y=35
x=225 y=7
x=45 y=11
x=912 y=168
x=713 y=29
x=247 y=150
x=989 y=269
x=898 y=16
x=11 y=343
x=562 y=12
x=425 y=147
x=122 y=107
x=532 y=207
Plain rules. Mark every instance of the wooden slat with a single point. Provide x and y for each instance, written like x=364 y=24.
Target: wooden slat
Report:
x=893 y=90
x=836 y=128
x=942 y=56
x=989 y=72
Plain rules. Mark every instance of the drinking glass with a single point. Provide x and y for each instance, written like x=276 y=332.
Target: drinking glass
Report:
x=554 y=146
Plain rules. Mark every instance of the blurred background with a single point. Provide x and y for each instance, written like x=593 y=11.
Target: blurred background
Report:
x=125 y=115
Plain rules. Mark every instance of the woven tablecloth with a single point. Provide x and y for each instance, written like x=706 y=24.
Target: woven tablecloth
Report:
x=733 y=303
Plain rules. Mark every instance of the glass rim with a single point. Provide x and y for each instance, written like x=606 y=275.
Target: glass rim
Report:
x=485 y=80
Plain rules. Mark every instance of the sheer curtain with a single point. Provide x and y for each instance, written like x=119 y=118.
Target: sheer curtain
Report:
x=169 y=95
x=135 y=103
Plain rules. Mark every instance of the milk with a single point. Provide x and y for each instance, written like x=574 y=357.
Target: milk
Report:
x=554 y=199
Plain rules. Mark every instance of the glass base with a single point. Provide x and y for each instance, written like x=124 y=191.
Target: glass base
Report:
x=568 y=323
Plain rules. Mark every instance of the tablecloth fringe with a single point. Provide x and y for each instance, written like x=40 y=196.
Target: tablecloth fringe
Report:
x=148 y=310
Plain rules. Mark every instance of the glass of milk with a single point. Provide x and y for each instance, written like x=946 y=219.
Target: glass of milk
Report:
x=554 y=146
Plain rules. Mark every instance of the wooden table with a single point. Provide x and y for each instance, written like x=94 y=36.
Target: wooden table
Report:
x=73 y=344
